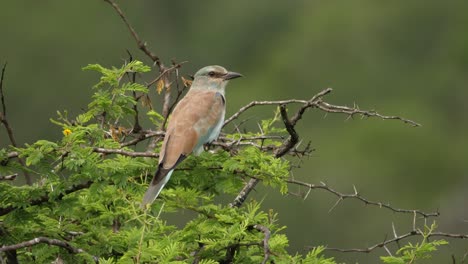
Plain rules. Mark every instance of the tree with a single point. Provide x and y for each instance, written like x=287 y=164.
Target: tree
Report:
x=85 y=205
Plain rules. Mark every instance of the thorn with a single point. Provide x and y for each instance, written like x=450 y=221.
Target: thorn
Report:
x=388 y=251
x=307 y=194
x=335 y=205
x=394 y=230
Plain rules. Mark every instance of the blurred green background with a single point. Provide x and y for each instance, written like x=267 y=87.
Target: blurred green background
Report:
x=407 y=58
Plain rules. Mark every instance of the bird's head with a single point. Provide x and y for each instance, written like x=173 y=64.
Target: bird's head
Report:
x=213 y=77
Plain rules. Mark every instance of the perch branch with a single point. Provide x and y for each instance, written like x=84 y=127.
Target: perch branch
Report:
x=126 y=153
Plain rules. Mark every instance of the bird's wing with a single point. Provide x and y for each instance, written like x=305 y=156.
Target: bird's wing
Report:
x=192 y=119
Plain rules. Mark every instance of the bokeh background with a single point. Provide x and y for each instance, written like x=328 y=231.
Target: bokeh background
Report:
x=407 y=58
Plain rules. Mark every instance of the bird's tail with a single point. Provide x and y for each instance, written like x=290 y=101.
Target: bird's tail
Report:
x=157 y=184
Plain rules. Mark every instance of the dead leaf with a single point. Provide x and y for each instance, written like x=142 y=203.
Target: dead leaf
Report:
x=159 y=85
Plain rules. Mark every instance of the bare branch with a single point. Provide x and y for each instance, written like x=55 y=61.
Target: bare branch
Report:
x=136 y=124
x=143 y=135
x=140 y=43
x=45 y=240
x=357 y=196
x=353 y=111
x=397 y=239
x=166 y=71
x=317 y=102
x=1 y=92
x=126 y=153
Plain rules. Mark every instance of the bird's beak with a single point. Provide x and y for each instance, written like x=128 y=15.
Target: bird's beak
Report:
x=231 y=75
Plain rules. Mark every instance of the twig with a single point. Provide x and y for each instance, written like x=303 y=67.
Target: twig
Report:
x=140 y=43
x=397 y=239
x=255 y=103
x=126 y=153
x=136 y=124
x=166 y=71
x=45 y=240
x=4 y=121
x=357 y=196
x=143 y=135
x=353 y=111
x=1 y=91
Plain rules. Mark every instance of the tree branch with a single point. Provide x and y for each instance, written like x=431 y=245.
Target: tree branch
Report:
x=126 y=153
x=351 y=111
x=45 y=240
x=396 y=239
x=357 y=196
x=265 y=241
x=315 y=102
x=140 y=43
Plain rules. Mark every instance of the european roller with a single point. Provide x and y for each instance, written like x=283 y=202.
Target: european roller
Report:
x=196 y=120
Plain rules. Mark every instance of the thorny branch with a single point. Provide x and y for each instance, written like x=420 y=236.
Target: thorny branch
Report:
x=356 y=195
x=396 y=239
x=315 y=102
x=46 y=240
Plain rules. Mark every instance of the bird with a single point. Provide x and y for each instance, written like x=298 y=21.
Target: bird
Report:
x=197 y=119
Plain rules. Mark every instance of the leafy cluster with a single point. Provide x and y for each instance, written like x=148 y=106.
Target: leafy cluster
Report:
x=91 y=198
x=410 y=253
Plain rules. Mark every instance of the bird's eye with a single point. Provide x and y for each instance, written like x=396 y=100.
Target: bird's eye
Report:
x=211 y=73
